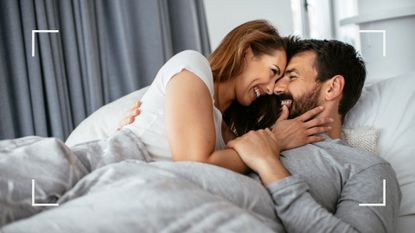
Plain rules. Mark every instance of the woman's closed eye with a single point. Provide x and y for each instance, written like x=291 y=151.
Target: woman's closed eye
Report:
x=275 y=71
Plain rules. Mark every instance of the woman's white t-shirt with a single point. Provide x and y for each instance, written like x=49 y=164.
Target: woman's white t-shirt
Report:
x=150 y=125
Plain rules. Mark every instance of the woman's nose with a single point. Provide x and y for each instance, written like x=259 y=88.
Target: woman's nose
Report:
x=269 y=89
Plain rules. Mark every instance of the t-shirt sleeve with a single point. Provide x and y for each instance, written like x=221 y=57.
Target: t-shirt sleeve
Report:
x=189 y=60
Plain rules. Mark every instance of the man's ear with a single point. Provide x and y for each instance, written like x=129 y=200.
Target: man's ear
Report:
x=334 y=87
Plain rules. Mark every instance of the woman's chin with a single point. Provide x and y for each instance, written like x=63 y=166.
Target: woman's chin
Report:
x=246 y=102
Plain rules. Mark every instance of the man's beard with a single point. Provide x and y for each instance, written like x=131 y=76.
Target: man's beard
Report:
x=304 y=103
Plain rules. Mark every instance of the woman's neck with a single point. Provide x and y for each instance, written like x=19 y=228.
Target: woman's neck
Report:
x=224 y=95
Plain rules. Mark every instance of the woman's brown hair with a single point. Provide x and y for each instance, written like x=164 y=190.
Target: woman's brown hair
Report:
x=227 y=62
x=228 y=58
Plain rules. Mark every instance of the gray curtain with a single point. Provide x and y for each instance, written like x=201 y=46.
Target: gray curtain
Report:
x=104 y=50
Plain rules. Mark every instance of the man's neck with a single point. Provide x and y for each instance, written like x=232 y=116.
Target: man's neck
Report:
x=332 y=112
x=336 y=130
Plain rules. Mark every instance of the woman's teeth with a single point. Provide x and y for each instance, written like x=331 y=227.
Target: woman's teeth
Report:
x=257 y=92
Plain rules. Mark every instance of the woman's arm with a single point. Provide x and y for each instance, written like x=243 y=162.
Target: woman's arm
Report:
x=190 y=125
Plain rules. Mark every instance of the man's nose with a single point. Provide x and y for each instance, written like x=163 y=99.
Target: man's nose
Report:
x=281 y=86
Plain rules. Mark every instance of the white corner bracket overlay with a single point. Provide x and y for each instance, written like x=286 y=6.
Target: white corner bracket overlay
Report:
x=378 y=204
x=33 y=37
x=33 y=197
x=383 y=36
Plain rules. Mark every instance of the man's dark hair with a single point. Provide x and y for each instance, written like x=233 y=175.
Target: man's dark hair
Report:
x=333 y=58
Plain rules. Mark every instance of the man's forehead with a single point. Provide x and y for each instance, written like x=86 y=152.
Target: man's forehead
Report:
x=302 y=61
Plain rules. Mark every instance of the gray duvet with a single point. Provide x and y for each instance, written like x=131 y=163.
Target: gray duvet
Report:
x=113 y=186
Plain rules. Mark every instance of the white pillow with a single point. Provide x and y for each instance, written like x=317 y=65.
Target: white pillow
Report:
x=103 y=122
x=389 y=106
x=363 y=138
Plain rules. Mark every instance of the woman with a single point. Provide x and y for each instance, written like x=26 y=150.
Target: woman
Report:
x=181 y=113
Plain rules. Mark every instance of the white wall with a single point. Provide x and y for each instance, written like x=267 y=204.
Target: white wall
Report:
x=397 y=19
x=224 y=15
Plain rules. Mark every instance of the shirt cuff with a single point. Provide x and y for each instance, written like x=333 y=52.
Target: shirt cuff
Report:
x=291 y=186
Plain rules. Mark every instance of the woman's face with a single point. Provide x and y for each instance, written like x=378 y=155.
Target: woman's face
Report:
x=259 y=75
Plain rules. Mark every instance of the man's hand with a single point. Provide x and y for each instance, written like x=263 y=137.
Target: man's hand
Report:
x=260 y=151
x=130 y=116
x=300 y=130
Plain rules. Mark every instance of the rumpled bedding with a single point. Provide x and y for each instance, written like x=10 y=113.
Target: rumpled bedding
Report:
x=113 y=186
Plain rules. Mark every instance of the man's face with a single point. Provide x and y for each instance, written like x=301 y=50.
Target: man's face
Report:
x=298 y=87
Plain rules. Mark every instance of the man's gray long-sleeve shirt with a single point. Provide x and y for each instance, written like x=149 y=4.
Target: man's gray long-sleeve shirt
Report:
x=329 y=180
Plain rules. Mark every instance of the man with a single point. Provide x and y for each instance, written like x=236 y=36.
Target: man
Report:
x=319 y=187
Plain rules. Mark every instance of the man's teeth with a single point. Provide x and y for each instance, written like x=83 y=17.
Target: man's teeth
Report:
x=286 y=102
x=257 y=92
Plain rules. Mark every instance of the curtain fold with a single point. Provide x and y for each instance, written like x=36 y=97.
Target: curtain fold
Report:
x=104 y=50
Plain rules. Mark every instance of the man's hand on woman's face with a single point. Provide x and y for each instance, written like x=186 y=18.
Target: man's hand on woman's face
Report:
x=300 y=130
x=130 y=115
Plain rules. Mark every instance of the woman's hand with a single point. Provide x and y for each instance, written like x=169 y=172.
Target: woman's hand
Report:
x=130 y=116
x=300 y=130
x=260 y=151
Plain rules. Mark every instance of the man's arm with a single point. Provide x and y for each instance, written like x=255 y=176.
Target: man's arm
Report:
x=299 y=212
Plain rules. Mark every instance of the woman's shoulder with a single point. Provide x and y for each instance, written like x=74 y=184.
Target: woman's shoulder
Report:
x=193 y=54
x=192 y=61
x=191 y=58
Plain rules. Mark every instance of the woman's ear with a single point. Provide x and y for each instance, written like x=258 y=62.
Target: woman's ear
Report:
x=334 y=87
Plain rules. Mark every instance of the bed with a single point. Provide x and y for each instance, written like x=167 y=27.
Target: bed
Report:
x=384 y=116
x=383 y=120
